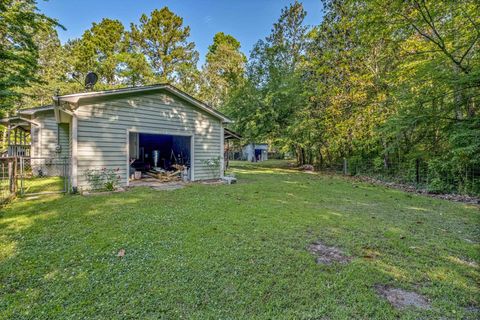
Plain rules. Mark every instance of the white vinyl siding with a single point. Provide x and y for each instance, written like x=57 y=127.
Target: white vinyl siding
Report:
x=50 y=134
x=103 y=127
x=64 y=139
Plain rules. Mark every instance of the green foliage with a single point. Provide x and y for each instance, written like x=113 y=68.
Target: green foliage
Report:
x=268 y=104
x=118 y=56
x=111 y=178
x=223 y=70
x=163 y=39
x=384 y=83
x=213 y=165
x=53 y=69
x=20 y=21
x=94 y=178
x=132 y=69
x=98 y=48
x=102 y=179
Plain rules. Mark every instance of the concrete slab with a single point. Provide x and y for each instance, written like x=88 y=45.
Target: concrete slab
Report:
x=156 y=184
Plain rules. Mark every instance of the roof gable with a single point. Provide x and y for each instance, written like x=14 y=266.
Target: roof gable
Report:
x=79 y=97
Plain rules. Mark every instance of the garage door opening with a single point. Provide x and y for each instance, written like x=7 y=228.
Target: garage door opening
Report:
x=166 y=158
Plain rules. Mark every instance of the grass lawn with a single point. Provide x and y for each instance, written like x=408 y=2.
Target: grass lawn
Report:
x=34 y=185
x=238 y=251
x=43 y=184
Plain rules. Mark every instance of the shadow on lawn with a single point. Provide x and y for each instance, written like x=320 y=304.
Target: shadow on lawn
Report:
x=40 y=216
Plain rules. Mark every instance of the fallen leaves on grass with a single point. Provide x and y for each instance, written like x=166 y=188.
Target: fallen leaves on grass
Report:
x=413 y=189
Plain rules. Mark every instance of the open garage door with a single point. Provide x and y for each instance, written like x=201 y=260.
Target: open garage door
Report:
x=161 y=156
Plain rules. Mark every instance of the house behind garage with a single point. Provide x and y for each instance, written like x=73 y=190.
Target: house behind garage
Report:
x=113 y=129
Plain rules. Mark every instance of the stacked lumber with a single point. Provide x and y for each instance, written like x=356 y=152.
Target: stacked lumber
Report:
x=168 y=176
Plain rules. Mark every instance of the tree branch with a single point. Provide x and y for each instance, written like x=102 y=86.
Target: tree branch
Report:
x=439 y=41
x=470 y=48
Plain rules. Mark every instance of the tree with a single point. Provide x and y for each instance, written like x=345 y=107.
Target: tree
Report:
x=287 y=40
x=386 y=84
x=393 y=83
x=223 y=70
x=275 y=74
x=98 y=49
x=20 y=21
x=52 y=71
x=188 y=78
x=132 y=69
x=163 y=39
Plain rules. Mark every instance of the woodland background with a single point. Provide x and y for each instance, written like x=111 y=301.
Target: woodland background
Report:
x=393 y=86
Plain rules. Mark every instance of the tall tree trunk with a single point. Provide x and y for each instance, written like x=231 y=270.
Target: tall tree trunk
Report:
x=385 y=155
x=458 y=95
x=471 y=107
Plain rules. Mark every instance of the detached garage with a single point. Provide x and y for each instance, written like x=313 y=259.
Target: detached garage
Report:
x=151 y=126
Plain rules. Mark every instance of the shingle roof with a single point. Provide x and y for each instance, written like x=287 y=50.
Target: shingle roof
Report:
x=35 y=109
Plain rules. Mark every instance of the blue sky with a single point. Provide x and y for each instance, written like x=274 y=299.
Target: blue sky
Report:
x=246 y=20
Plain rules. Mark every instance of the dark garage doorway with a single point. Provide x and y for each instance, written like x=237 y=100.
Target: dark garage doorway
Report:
x=154 y=154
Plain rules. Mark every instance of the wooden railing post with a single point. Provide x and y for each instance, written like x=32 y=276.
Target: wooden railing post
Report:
x=12 y=166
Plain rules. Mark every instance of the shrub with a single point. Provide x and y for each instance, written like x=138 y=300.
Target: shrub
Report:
x=103 y=179
x=94 y=178
x=214 y=165
x=440 y=176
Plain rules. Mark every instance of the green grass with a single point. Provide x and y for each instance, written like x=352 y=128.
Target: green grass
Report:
x=32 y=185
x=43 y=184
x=238 y=251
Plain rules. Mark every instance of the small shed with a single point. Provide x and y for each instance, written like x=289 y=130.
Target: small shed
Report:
x=255 y=152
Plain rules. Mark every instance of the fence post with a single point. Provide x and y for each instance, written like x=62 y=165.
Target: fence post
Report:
x=345 y=166
x=22 y=161
x=10 y=176
x=417 y=171
x=15 y=173
x=12 y=173
x=65 y=177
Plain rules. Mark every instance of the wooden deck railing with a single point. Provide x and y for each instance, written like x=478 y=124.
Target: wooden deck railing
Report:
x=19 y=150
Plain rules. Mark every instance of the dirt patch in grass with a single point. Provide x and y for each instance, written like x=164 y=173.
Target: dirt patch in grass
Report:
x=472 y=312
x=402 y=299
x=327 y=255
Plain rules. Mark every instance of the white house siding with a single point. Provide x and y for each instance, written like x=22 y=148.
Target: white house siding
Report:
x=34 y=136
x=44 y=141
x=48 y=135
x=45 y=135
x=103 y=126
x=64 y=139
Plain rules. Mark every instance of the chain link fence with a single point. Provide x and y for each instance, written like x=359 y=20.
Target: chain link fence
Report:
x=417 y=173
x=7 y=181
x=33 y=176
x=43 y=175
